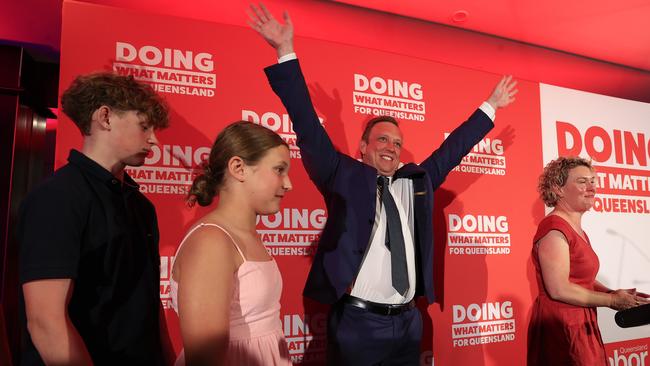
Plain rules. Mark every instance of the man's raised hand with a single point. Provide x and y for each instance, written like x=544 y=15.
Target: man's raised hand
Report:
x=280 y=36
x=503 y=93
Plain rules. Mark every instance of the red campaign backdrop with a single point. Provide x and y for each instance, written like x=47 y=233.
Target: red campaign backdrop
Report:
x=211 y=74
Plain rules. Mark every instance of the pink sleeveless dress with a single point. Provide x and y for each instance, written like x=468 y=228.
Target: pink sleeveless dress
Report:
x=256 y=337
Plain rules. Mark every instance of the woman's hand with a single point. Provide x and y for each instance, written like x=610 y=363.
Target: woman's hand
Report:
x=624 y=299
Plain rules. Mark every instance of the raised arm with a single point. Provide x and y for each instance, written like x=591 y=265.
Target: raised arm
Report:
x=463 y=138
x=48 y=323
x=204 y=270
x=553 y=251
x=318 y=153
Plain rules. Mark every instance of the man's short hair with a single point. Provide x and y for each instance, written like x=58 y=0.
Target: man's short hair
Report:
x=370 y=124
x=89 y=92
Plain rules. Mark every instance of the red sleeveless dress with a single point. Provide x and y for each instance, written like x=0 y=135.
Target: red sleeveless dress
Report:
x=560 y=333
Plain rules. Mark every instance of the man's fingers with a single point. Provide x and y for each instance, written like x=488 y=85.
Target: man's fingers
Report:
x=505 y=80
x=512 y=85
x=266 y=13
x=287 y=18
x=251 y=16
x=256 y=27
x=501 y=82
x=259 y=15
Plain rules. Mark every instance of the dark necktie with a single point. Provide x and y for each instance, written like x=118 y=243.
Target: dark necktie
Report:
x=394 y=238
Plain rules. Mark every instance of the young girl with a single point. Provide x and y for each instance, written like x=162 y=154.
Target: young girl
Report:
x=225 y=287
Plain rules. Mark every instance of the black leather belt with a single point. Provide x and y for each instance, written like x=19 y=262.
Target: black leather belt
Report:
x=377 y=308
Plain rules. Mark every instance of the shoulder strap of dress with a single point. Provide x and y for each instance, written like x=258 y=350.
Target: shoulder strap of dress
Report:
x=215 y=225
x=553 y=222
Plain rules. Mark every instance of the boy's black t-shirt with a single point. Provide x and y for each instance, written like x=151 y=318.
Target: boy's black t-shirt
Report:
x=86 y=225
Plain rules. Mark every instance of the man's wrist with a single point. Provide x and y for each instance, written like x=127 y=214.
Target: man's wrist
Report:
x=284 y=49
x=287 y=57
x=488 y=109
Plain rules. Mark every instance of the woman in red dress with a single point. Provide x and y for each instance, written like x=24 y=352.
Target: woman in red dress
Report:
x=563 y=327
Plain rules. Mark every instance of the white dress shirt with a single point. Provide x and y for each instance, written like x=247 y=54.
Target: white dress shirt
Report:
x=374 y=282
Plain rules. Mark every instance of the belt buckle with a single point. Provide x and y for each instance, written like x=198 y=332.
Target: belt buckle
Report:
x=393 y=310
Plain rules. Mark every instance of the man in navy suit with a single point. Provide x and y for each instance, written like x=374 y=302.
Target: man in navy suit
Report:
x=375 y=254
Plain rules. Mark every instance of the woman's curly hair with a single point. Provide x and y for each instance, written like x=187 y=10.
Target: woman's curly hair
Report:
x=555 y=176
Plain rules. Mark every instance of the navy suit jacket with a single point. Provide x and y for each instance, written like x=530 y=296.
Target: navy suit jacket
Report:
x=349 y=188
